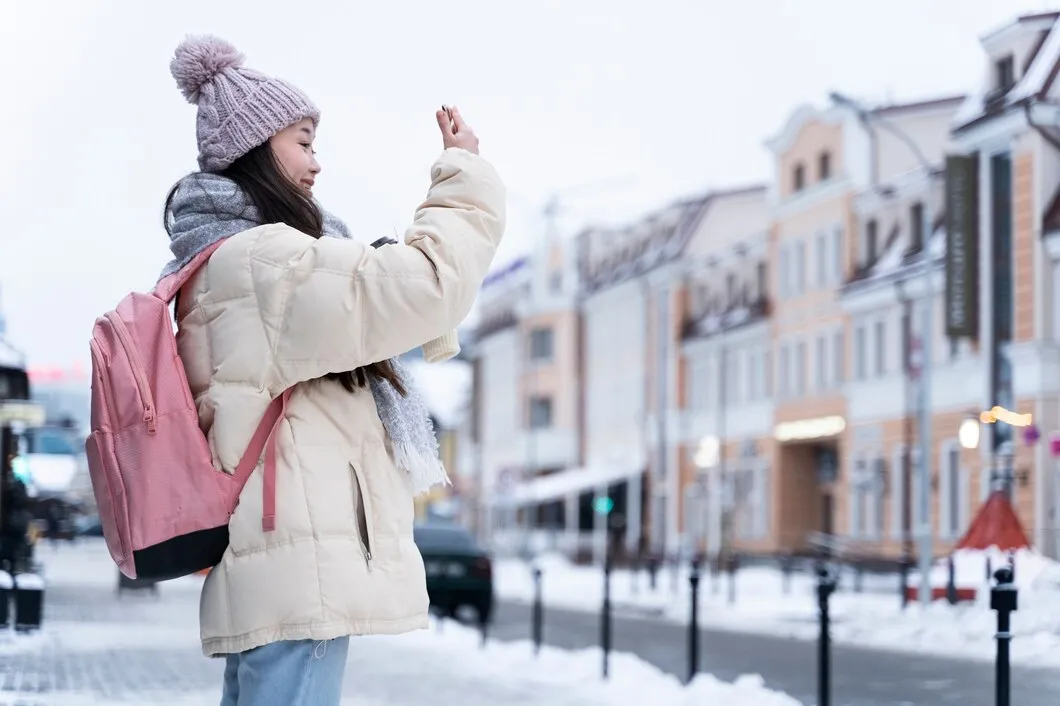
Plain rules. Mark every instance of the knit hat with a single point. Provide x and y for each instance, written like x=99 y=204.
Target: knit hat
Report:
x=239 y=109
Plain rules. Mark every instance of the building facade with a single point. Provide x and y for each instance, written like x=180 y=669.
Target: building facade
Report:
x=751 y=364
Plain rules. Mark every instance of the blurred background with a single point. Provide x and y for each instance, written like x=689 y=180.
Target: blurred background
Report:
x=778 y=288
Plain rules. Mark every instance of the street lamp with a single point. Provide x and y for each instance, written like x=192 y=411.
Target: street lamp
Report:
x=871 y=123
x=968 y=433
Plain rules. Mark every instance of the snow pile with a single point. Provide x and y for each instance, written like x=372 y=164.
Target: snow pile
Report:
x=449 y=662
x=577 y=674
x=872 y=618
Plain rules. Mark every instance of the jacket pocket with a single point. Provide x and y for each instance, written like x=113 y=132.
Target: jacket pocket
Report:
x=363 y=504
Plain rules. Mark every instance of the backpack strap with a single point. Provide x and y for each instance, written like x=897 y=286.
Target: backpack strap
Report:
x=265 y=439
x=169 y=285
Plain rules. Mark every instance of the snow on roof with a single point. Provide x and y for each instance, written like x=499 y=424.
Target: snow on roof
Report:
x=446 y=388
x=1032 y=84
x=1036 y=79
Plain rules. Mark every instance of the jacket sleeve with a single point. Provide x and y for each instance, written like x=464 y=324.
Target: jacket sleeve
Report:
x=330 y=305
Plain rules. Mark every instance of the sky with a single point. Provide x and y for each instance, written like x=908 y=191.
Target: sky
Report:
x=614 y=106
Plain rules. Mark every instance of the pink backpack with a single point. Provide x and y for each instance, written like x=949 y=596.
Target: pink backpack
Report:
x=163 y=506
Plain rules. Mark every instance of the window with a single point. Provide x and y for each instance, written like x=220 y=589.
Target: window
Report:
x=870 y=242
x=784 y=373
x=868 y=488
x=760 y=279
x=767 y=373
x=824 y=166
x=800 y=368
x=839 y=357
x=881 y=347
x=820 y=364
x=859 y=353
x=837 y=255
x=953 y=491
x=822 y=261
x=555 y=282
x=541 y=344
x=800 y=267
x=798 y=177
x=916 y=227
x=730 y=289
x=1005 y=71
x=540 y=412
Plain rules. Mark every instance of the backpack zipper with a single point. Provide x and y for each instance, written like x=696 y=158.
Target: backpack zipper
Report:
x=138 y=370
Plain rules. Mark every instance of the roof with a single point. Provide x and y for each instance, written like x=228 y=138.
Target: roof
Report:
x=649 y=242
x=1039 y=74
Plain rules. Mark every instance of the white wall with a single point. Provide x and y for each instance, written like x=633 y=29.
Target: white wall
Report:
x=615 y=340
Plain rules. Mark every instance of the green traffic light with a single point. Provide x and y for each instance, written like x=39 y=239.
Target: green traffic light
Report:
x=603 y=505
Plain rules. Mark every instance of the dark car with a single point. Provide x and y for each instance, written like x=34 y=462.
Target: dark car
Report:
x=459 y=571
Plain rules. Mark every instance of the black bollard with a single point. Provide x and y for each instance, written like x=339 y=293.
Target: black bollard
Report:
x=786 y=563
x=951 y=581
x=732 y=565
x=653 y=572
x=537 y=616
x=1003 y=600
x=605 y=618
x=826 y=584
x=693 y=624
x=903 y=579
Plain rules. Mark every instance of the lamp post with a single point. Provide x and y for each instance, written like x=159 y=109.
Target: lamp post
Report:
x=926 y=338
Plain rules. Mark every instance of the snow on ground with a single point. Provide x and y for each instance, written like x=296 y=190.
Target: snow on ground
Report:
x=446 y=665
x=872 y=618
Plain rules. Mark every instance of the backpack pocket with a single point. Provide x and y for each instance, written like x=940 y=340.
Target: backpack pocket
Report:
x=109 y=491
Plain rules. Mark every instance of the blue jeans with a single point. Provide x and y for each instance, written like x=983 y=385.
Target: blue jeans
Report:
x=287 y=673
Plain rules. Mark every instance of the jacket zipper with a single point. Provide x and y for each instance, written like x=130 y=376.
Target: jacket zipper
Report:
x=138 y=370
x=366 y=508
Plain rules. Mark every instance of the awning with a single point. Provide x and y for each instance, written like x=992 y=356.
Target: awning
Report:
x=561 y=484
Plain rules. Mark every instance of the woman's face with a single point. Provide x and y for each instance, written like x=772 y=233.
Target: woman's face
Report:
x=293 y=147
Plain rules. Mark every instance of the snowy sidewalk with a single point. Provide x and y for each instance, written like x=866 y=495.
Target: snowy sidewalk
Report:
x=873 y=618
x=99 y=650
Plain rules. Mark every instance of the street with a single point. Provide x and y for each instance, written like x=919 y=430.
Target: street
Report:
x=861 y=677
x=100 y=649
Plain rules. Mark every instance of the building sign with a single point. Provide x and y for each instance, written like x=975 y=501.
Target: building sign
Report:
x=962 y=245
x=805 y=429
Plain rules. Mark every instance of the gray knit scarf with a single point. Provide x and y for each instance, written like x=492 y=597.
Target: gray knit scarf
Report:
x=207 y=208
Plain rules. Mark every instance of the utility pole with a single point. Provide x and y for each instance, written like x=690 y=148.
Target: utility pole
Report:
x=926 y=341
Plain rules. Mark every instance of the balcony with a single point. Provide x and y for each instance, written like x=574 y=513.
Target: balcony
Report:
x=542 y=449
x=735 y=316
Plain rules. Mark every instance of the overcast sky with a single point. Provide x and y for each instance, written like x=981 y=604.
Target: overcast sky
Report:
x=626 y=104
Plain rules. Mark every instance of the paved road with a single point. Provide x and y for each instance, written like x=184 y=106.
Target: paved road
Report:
x=862 y=677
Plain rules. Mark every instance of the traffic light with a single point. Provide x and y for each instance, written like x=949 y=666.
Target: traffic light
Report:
x=603 y=505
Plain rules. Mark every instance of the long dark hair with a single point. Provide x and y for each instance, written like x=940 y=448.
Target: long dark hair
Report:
x=277 y=200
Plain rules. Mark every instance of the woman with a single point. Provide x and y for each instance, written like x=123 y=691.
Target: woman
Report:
x=289 y=302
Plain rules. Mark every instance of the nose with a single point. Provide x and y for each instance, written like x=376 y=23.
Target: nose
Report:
x=314 y=166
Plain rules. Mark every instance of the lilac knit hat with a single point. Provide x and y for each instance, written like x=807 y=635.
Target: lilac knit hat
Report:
x=239 y=109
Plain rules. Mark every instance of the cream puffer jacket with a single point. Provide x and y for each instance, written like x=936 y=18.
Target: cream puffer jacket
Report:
x=274 y=308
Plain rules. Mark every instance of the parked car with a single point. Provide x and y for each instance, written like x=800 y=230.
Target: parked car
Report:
x=459 y=571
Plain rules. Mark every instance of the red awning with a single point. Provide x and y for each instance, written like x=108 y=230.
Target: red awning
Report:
x=996 y=525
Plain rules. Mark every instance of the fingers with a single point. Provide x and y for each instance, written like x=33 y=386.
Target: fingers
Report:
x=458 y=120
x=444 y=124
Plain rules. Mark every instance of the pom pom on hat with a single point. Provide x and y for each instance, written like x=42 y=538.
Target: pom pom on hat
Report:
x=198 y=60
